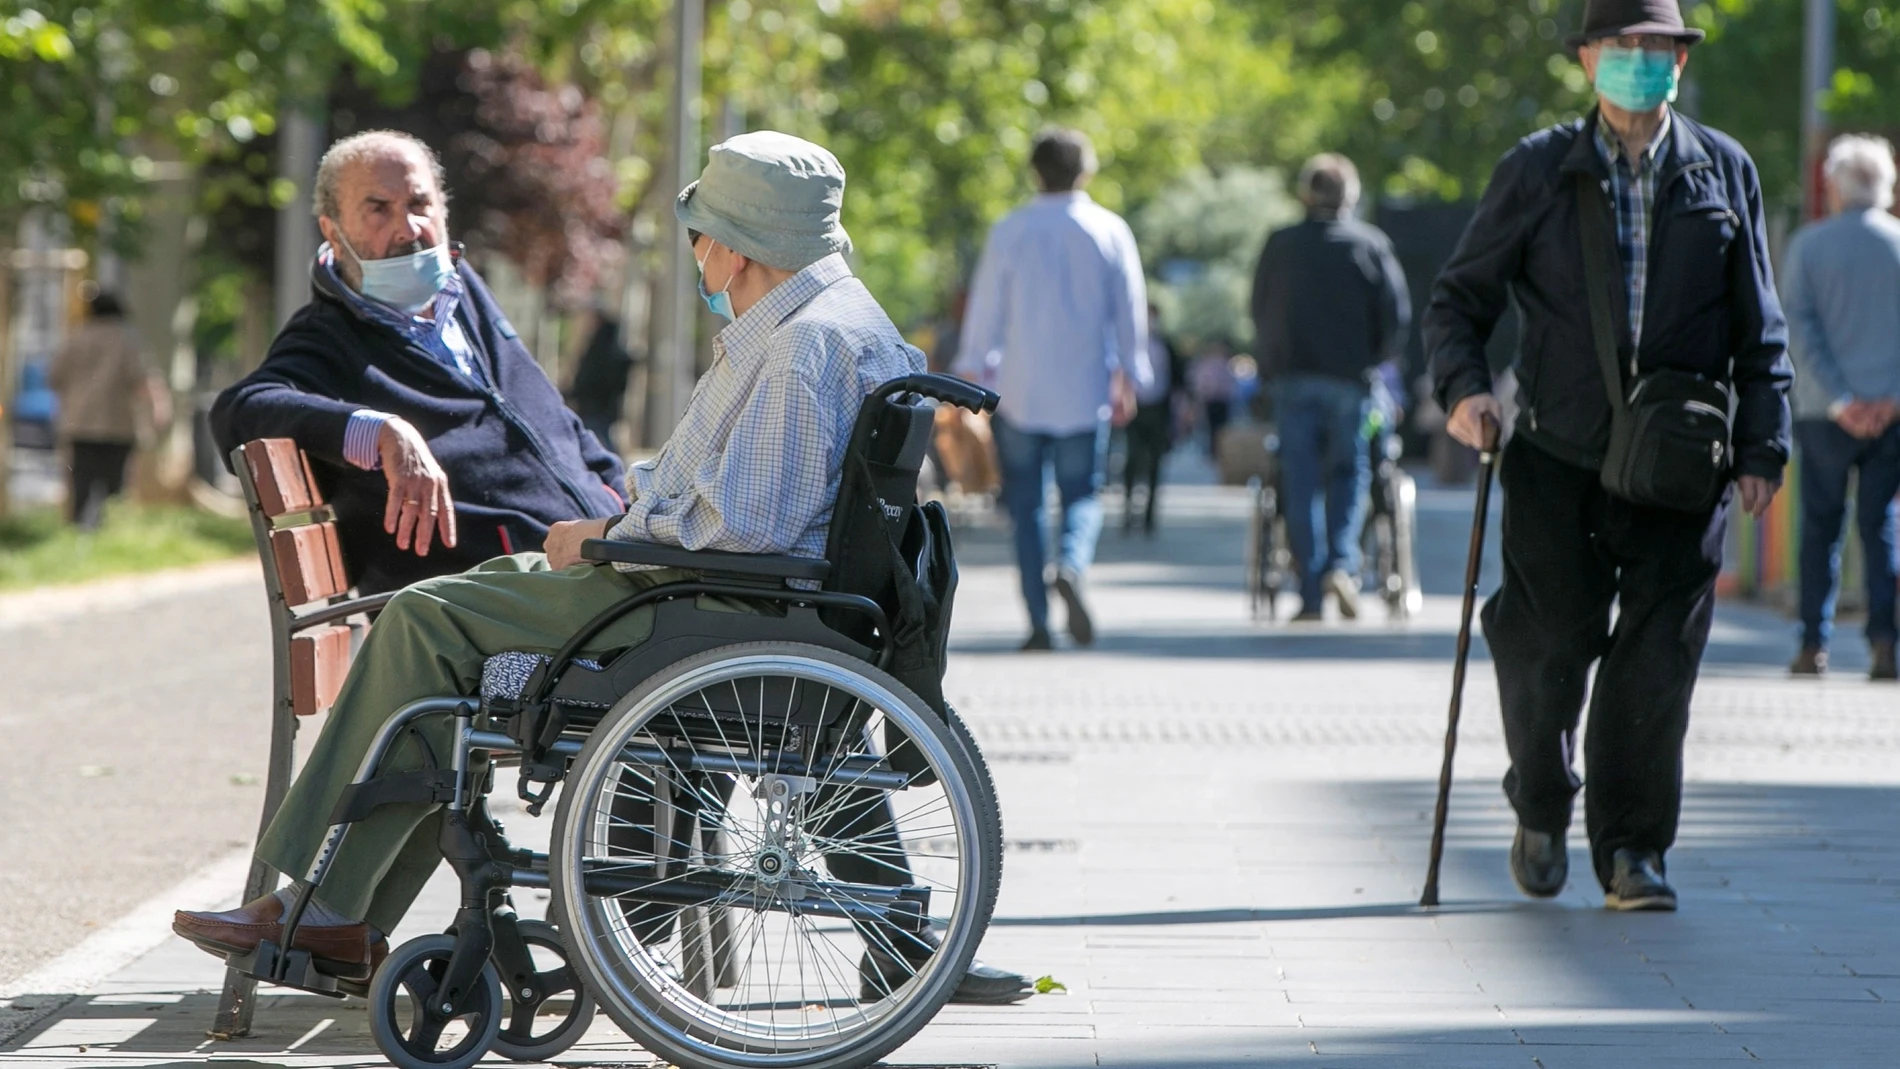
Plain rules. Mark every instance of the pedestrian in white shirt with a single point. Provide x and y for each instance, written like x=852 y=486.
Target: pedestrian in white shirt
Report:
x=1057 y=326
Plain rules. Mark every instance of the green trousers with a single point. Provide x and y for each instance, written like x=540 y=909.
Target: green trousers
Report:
x=431 y=640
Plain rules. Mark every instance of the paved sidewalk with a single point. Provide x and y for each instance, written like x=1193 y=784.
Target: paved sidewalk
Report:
x=1216 y=834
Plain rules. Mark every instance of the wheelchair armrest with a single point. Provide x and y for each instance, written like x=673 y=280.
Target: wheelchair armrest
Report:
x=767 y=565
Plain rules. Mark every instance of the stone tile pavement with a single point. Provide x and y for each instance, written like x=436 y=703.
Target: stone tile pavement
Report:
x=1216 y=834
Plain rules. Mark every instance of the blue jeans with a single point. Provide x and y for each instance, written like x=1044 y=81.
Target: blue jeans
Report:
x=1324 y=471
x=1080 y=461
x=1827 y=454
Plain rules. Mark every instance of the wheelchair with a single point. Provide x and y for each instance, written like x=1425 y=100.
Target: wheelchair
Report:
x=774 y=844
x=1388 y=537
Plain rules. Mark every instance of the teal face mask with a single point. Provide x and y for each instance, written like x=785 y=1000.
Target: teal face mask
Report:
x=1636 y=79
x=720 y=303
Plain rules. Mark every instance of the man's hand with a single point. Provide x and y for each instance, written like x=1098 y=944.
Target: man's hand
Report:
x=1864 y=419
x=1886 y=413
x=1757 y=494
x=419 y=504
x=1121 y=399
x=1468 y=418
x=563 y=546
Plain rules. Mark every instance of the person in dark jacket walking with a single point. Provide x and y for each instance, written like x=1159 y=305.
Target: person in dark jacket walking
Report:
x=598 y=393
x=1329 y=306
x=430 y=429
x=1695 y=294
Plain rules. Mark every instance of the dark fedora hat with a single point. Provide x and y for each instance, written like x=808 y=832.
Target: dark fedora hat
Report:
x=1615 y=18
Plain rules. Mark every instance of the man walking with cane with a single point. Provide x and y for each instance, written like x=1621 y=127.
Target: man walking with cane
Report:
x=1634 y=244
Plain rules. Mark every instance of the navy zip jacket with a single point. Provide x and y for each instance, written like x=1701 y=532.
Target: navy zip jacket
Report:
x=517 y=460
x=1329 y=299
x=1709 y=306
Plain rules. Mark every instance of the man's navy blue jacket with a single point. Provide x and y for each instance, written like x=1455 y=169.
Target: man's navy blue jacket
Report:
x=517 y=460
x=1710 y=305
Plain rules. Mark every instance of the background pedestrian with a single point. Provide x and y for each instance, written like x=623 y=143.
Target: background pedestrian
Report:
x=598 y=394
x=1151 y=432
x=1329 y=306
x=103 y=390
x=1056 y=325
x=1842 y=285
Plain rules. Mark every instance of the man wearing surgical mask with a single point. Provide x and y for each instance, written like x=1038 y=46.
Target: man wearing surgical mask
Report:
x=1686 y=289
x=430 y=428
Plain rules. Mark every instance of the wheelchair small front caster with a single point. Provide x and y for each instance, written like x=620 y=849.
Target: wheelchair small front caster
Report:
x=405 y=1009
x=541 y=1026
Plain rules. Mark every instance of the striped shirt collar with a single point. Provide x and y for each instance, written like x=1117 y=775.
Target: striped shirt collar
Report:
x=745 y=338
x=411 y=327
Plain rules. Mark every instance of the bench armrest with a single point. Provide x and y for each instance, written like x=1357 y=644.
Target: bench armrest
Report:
x=766 y=565
x=329 y=613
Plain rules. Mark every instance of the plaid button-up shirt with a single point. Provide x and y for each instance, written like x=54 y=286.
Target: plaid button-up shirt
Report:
x=1633 y=192
x=755 y=463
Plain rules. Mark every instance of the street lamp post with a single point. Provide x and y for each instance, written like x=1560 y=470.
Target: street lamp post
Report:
x=1817 y=74
x=673 y=360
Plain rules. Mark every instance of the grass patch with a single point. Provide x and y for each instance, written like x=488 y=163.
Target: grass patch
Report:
x=38 y=547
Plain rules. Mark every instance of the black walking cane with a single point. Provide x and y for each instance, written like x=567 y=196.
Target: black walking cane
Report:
x=1487 y=463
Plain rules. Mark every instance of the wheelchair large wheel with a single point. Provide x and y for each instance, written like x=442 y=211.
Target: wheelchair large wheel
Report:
x=861 y=872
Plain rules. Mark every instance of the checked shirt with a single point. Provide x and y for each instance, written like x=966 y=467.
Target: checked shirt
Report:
x=1633 y=192
x=755 y=463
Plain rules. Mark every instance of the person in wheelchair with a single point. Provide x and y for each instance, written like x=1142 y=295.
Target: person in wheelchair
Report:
x=754 y=467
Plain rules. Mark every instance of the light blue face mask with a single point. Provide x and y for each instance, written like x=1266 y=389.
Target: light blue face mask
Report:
x=1636 y=79
x=406 y=282
x=720 y=303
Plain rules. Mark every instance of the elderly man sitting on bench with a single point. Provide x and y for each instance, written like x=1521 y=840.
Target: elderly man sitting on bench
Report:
x=754 y=467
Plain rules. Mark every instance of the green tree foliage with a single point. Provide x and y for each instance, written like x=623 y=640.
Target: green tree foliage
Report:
x=931 y=107
x=1747 y=77
x=1441 y=89
x=1200 y=238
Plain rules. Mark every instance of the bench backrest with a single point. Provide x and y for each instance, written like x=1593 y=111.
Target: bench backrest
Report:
x=303 y=566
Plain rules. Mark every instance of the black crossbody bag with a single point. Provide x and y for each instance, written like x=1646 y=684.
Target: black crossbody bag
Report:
x=1669 y=429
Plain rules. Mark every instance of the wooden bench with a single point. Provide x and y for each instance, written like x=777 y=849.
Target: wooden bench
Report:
x=315 y=626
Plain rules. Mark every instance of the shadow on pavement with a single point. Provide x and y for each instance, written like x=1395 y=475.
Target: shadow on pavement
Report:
x=1250 y=916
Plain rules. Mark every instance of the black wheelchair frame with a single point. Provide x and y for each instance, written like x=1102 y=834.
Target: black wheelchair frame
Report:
x=545 y=727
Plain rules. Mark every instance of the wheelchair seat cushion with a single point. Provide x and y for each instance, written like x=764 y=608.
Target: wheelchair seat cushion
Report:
x=505 y=675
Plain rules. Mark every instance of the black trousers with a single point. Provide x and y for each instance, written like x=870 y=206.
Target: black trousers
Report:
x=98 y=474
x=1147 y=447
x=1570 y=551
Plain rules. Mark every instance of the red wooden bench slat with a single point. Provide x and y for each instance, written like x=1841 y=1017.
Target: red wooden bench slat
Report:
x=282 y=477
x=308 y=564
x=319 y=662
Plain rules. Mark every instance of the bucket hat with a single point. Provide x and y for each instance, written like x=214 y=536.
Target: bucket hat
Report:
x=769 y=197
x=1615 y=18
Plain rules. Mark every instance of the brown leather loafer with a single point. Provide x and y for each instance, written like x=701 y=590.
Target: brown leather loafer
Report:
x=344 y=950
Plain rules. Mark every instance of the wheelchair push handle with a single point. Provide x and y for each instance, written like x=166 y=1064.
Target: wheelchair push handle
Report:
x=943 y=388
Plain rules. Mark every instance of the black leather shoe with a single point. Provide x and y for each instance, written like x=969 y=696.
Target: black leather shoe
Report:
x=1638 y=884
x=1884 y=668
x=1539 y=863
x=982 y=985
x=1037 y=642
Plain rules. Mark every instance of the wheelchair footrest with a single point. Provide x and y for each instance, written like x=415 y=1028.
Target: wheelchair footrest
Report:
x=270 y=964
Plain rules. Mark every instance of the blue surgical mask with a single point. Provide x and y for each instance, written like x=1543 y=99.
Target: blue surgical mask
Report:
x=1636 y=79
x=406 y=282
x=720 y=303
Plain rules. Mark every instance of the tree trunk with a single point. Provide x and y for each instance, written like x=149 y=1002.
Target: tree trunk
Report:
x=160 y=288
x=8 y=379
